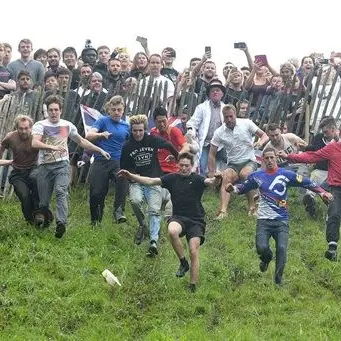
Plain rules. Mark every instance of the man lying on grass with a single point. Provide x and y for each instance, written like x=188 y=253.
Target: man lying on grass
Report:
x=273 y=183
x=188 y=219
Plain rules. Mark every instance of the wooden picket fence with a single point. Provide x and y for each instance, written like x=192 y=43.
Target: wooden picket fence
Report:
x=319 y=95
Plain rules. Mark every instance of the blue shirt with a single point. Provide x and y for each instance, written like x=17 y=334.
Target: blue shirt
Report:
x=119 y=134
x=273 y=189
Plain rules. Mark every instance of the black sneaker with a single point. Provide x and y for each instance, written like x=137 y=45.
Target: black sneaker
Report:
x=39 y=219
x=309 y=204
x=140 y=234
x=152 y=251
x=263 y=266
x=119 y=216
x=183 y=268
x=192 y=287
x=60 y=230
x=331 y=255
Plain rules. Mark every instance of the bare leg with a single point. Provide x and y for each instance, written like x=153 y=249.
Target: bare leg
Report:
x=194 y=244
x=229 y=176
x=244 y=173
x=174 y=230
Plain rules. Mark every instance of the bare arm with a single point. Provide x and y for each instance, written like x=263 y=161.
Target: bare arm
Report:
x=263 y=137
x=249 y=81
x=82 y=142
x=94 y=135
x=36 y=143
x=248 y=56
x=196 y=70
x=215 y=180
x=185 y=148
x=144 y=180
x=10 y=85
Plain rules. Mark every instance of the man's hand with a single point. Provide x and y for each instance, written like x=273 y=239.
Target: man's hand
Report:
x=257 y=145
x=170 y=158
x=207 y=55
x=124 y=174
x=105 y=154
x=106 y=134
x=326 y=196
x=144 y=42
x=229 y=188
x=301 y=146
x=218 y=175
x=80 y=164
x=58 y=148
x=282 y=154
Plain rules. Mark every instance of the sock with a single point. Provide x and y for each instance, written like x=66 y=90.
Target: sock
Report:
x=183 y=260
x=332 y=245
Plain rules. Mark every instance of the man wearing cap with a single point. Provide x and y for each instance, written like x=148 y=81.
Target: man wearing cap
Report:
x=206 y=119
x=89 y=54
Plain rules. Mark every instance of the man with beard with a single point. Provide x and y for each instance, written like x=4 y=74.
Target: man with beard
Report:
x=24 y=162
x=236 y=137
x=53 y=59
x=188 y=219
x=114 y=79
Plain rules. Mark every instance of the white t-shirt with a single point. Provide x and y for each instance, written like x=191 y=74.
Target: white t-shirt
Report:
x=161 y=79
x=55 y=134
x=237 y=142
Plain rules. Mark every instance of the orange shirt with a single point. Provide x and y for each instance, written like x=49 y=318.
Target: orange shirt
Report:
x=174 y=135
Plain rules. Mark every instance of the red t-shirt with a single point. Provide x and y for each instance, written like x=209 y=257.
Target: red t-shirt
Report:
x=174 y=135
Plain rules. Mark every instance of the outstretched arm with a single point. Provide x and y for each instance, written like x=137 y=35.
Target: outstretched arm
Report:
x=215 y=180
x=144 y=180
x=244 y=187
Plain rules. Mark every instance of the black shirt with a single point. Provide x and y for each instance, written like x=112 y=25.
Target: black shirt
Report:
x=318 y=142
x=171 y=74
x=140 y=157
x=186 y=193
x=5 y=76
x=198 y=84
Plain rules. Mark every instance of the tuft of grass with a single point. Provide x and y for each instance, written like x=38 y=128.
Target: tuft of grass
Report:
x=53 y=289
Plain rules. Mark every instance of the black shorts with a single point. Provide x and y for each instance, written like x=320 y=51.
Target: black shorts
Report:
x=190 y=227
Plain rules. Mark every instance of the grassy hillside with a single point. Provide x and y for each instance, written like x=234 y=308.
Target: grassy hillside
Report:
x=53 y=290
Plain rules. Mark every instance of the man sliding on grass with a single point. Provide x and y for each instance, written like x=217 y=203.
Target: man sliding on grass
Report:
x=188 y=219
x=273 y=183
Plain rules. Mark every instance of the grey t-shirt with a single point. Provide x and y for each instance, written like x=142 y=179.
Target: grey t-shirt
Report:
x=215 y=122
x=35 y=68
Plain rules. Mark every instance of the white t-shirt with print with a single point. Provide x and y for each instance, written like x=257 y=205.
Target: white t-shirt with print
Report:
x=55 y=134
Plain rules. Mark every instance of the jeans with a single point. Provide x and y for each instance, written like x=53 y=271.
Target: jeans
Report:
x=204 y=160
x=334 y=216
x=25 y=187
x=153 y=197
x=54 y=177
x=279 y=231
x=101 y=172
x=166 y=204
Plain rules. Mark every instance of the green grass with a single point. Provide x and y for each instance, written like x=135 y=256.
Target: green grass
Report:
x=53 y=290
